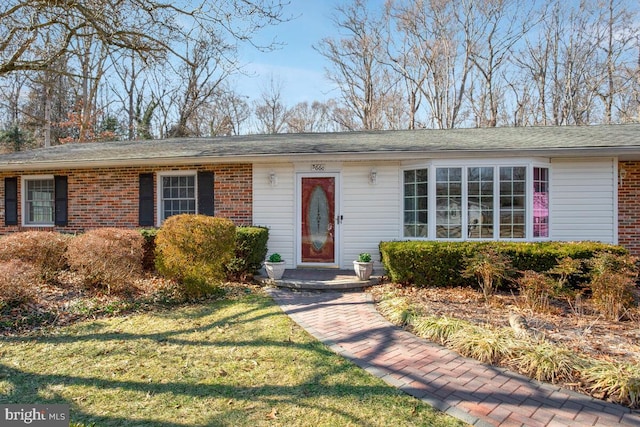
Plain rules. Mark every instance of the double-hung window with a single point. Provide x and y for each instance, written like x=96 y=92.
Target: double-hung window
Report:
x=480 y=202
x=177 y=194
x=449 y=203
x=38 y=201
x=415 y=202
x=476 y=202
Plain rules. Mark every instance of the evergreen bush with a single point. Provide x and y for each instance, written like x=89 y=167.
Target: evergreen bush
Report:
x=250 y=251
x=195 y=250
x=439 y=263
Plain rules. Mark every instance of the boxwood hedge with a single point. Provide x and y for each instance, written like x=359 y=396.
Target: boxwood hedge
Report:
x=437 y=263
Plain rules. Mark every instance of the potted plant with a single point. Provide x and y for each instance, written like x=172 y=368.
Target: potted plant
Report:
x=274 y=266
x=363 y=266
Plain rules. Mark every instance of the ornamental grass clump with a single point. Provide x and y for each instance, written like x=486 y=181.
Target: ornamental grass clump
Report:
x=483 y=344
x=438 y=329
x=616 y=381
x=489 y=267
x=545 y=361
x=398 y=310
x=613 y=282
x=195 y=250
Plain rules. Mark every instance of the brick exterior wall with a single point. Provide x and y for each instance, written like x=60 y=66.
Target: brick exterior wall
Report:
x=629 y=206
x=108 y=197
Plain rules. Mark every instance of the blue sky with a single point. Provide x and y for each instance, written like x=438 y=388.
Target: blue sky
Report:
x=296 y=64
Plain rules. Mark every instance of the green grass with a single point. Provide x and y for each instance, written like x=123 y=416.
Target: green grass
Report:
x=229 y=363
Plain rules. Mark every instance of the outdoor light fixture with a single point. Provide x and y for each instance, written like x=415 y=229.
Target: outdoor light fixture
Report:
x=373 y=177
x=623 y=173
x=273 y=179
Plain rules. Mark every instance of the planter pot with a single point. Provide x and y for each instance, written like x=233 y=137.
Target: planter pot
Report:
x=363 y=269
x=274 y=270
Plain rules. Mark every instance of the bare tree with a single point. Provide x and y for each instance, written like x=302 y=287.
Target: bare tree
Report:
x=270 y=111
x=129 y=86
x=200 y=78
x=224 y=114
x=357 y=68
x=314 y=117
x=494 y=27
x=620 y=31
x=148 y=27
x=433 y=56
x=12 y=89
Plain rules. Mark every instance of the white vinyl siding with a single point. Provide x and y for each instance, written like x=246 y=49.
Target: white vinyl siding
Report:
x=583 y=196
x=274 y=207
x=371 y=211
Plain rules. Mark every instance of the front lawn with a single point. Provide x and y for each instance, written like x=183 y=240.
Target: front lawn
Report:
x=233 y=362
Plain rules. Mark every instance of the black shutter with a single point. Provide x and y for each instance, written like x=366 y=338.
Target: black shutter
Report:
x=11 y=201
x=145 y=200
x=205 y=193
x=61 y=202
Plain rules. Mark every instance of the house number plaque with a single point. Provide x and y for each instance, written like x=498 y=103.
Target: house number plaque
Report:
x=318 y=167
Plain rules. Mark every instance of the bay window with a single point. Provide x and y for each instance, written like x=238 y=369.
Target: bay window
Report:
x=476 y=202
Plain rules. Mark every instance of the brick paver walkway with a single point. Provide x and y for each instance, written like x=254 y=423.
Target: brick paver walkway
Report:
x=471 y=391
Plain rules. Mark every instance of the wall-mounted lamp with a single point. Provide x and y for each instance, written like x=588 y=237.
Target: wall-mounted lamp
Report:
x=373 y=177
x=622 y=173
x=273 y=179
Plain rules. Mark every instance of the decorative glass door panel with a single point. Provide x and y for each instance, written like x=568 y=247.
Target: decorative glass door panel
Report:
x=318 y=213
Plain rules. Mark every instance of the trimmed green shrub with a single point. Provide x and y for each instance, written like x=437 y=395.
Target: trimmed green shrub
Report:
x=45 y=250
x=107 y=257
x=437 y=263
x=195 y=250
x=251 y=248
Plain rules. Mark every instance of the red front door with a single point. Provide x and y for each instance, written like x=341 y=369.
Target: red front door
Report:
x=318 y=213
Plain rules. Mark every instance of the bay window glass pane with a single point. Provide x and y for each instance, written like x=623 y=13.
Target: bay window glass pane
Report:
x=415 y=203
x=513 y=202
x=480 y=202
x=540 y=202
x=449 y=203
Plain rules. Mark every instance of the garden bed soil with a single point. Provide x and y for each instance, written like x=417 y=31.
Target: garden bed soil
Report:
x=69 y=301
x=576 y=326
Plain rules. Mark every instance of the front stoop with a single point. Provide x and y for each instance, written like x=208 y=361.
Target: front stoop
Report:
x=319 y=279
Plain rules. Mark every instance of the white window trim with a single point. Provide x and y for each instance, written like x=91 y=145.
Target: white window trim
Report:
x=159 y=198
x=23 y=196
x=465 y=164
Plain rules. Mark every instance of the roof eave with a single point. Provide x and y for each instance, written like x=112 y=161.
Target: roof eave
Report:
x=624 y=153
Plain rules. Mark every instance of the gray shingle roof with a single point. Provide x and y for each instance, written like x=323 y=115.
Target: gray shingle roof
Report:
x=612 y=140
